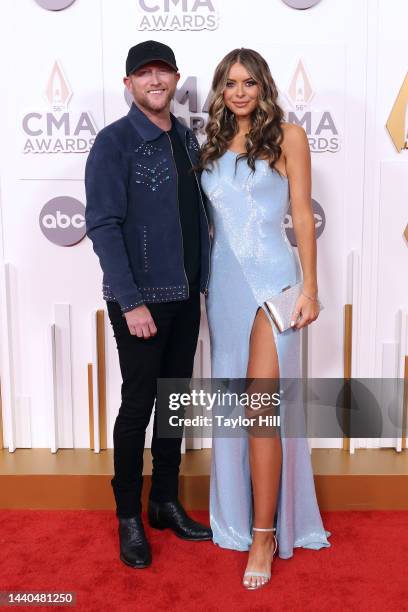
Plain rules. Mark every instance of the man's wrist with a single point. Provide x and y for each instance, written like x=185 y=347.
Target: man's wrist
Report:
x=128 y=307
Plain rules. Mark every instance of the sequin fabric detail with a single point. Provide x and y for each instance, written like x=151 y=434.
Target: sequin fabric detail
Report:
x=145 y=259
x=153 y=177
x=170 y=293
x=192 y=143
x=146 y=149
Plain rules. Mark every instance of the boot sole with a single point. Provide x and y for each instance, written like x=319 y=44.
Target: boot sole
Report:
x=134 y=566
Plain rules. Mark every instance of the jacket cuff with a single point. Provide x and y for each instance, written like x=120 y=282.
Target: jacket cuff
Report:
x=129 y=302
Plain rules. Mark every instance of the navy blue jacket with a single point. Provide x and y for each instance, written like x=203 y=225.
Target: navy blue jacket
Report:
x=132 y=214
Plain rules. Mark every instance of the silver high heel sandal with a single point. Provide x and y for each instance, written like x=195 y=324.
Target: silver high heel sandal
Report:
x=265 y=576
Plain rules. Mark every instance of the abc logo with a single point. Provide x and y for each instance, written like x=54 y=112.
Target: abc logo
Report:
x=62 y=221
x=320 y=222
x=55 y=5
x=301 y=4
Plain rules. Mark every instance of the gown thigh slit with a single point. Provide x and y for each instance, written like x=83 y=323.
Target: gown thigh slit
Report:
x=270 y=341
x=251 y=261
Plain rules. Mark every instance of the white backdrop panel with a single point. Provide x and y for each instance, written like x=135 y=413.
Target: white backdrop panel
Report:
x=354 y=59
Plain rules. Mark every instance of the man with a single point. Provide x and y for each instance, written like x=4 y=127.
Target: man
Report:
x=146 y=218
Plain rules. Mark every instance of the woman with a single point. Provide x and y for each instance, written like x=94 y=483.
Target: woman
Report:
x=250 y=162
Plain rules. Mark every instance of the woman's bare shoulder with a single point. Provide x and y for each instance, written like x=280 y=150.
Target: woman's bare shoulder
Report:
x=293 y=131
x=293 y=135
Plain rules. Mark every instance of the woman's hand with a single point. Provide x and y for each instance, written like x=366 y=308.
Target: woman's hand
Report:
x=307 y=309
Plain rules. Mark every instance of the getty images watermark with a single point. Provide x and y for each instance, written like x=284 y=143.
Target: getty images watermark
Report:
x=254 y=401
x=293 y=407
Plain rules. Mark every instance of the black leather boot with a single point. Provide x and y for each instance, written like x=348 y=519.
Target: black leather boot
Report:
x=171 y=514
x=134 y=547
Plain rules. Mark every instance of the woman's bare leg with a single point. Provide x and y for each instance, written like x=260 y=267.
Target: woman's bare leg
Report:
x=265 y=450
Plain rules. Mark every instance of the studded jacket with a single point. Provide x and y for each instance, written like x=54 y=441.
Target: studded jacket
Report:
x=132 y=214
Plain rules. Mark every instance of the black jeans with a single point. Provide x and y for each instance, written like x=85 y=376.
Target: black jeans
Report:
x=169 y=354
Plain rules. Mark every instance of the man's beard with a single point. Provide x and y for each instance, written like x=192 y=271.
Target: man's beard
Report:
x=147 y=102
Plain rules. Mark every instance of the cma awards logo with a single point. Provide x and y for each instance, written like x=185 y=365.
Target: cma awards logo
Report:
x=319 y=126
x=54 y=5
x=176 y=15
x=320 y=222
x=397 y=123
x=62 y=221
x=185 y=106
x=58 y=130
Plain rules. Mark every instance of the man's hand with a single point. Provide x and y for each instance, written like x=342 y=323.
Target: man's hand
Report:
x=140 y=322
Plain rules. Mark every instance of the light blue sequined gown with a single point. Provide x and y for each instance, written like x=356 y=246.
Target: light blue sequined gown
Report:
x=252 y=260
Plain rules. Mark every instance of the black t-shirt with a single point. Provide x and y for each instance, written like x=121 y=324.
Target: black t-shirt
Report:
x=189 y=202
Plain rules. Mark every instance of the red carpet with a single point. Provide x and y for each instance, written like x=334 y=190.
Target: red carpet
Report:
x=365 y=569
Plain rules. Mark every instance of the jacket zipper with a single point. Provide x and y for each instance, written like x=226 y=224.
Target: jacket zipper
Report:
x=178 y=210
x=205 y=215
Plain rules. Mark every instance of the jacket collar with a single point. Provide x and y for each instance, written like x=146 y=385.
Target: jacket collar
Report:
x=149 y=130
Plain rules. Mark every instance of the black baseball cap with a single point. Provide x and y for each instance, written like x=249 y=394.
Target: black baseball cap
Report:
x=149 y=51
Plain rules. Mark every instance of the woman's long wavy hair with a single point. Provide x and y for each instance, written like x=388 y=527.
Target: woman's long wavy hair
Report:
x=266 y=134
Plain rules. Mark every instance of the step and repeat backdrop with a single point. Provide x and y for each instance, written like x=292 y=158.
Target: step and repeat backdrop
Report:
x=341 y=69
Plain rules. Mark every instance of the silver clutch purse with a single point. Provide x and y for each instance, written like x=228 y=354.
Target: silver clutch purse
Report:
x=282 y=305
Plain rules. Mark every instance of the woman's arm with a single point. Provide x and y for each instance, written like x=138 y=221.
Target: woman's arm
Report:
x=296 y=150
